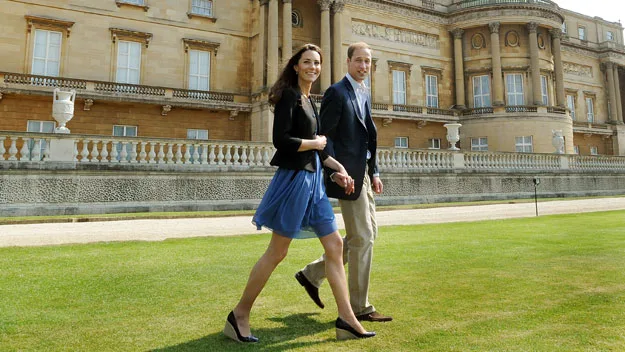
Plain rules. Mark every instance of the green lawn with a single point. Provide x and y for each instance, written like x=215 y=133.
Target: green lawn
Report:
x=552 y=283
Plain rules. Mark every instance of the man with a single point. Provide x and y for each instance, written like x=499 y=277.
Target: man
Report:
x=352 y=140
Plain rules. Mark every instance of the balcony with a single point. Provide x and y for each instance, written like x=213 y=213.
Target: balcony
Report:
x=19 y=83
x=467 y=4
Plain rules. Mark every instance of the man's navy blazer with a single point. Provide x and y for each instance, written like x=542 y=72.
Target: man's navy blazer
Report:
x=349 y=135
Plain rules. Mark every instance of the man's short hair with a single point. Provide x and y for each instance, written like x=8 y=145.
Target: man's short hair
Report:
x=353 y=47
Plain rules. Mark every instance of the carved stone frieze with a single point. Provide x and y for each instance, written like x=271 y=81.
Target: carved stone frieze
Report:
x=580 y=51
x=577 y=69
x=88 y=104
x=397 y=35
x=532 y=27
x=412 y=11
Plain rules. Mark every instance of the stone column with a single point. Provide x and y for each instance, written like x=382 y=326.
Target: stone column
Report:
x=459 y=64
x=498 y=99
x=287 y=31
x=609 y=68
x=617 y=92
x=532 y=27
x=272 y=43
x=260 y=54
x=337 y=41
x=556 y=35
x=325 y=43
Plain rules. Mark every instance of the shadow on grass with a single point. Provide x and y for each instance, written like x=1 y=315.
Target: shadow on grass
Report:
x=271 y=339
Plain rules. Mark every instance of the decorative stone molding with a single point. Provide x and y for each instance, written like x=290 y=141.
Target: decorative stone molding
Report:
x=493 y=27
x=398 y=8
x=577 y=69
x=478 y=41
x=421 y=124
x=88 y=104
x=457 y=33
x=532 y=27
x=397 y=35
x=541 y=41
x=165 y=110
x=233 y=114
x=396 y=65
x=200 y=44
x=324 y=4
x=513 y=12
x=119 y=3
x=49 y=23
x=263 y=2
x=338 y=6
x=125 y=34
x=386 y=121
x=512 y=39
x=556 y=33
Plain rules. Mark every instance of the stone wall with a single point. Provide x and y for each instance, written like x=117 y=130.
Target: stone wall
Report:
x=99 y=189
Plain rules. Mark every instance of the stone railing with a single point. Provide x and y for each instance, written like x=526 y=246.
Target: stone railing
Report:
x=135 y=92
x=416 y=109
x=27 y=150
x=521 y=108
x=478 y=111
x=477 y=3
x=556 y=110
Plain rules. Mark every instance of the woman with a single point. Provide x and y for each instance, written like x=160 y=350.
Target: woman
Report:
x=295 y=204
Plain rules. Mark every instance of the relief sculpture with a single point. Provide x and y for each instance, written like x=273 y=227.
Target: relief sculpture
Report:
x=576 y=69
x=398 y=35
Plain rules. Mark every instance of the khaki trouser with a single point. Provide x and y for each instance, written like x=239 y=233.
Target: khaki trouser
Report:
x=361 y=230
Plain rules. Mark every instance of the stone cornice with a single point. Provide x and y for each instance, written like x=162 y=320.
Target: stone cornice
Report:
x=200 y=44
x=64 y=26
x=143 y=37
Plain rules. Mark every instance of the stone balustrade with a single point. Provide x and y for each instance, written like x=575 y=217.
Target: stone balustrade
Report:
x=22 y=150
x=477 y=3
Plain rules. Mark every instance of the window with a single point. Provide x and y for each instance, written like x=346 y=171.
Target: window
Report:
x=198 y=135
x=543 y=90
x=296 y=19
x=570 y=104
x=399 y=87
x=401 y=142
x=481 y=91
x=202 y=7
x=39 y=127
x=47 y=53
x=133 y=2
x=581 y=32
x=524 y=144
x=576 y=149
x=609 y=36
x=434 y=143
x=199 y=70
x=479 y=144
x=563 y=27
x=590 y=110
x=128 y=62
x=514 y=86
x=593 y=150
x=431 y=91
x=124 y=131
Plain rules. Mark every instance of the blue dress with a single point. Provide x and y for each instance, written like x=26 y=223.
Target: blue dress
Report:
x=296 y=204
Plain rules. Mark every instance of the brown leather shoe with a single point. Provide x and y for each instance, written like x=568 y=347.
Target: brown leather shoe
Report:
x=374 y=316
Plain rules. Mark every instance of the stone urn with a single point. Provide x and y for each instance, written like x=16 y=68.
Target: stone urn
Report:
x=453 y=134
x=557 y=140
x=63 y=108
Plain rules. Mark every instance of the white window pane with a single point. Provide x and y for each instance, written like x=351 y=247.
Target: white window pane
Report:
x=133 y=77
x=53 y=68
x=55 y=38
x=118 y=131
x=131 y=131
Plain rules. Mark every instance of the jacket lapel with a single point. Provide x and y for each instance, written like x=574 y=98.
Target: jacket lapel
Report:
x=352 y=98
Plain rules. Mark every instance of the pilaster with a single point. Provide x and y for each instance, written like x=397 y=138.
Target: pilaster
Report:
x=324 y=5
x=459 y=65
x=532 y=28
x=498 y=99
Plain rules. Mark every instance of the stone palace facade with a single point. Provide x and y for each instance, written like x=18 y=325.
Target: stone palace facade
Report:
x=512 y=73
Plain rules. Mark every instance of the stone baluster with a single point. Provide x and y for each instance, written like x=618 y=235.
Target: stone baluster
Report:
x=178 y=157
x=258 y=157
x=36 y=153
x=104 y=154
x=160 y=156
x=325 y=43
x=235 y=155
x=133 y=152
x=196 y=154
x=187 y=154
x=220 y=155
x=203 y=153
x=152 y=153
x=24 y=152
x=84 y=152
x=142 y=153
x=94 y=152
x=228 y=155
x=75 y=156
x=169 y=153
x=244 y=155
x=2 y=150
x=123 y=156
x=115 y=158
x=211 y=155
x=266 y=158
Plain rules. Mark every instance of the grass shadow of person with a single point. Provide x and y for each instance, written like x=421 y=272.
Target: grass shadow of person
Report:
x=271 y=339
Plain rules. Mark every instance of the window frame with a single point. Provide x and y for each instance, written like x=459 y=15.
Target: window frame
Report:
x=402 y=139
x=482 y=96
x=544 y=90
x=399 y=90
x=42 y=142
x=590 y=109
x=581 y=33
x=199 y=45
x=34 y=23
x=609 y=36
x=523 y=144
x=594 y=150
x=515 y=94
x=572 y=104
x=117 y=35
x=199 y=76
x=428 y=93
x=401 y=67
x=477 y=145
x=48 y=48
x=432 y=143
x=210 y=16
x=128 y=69
x=143 y=5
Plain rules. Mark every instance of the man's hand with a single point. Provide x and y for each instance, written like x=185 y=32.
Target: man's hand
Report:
x=345 y=181
x=378 y=187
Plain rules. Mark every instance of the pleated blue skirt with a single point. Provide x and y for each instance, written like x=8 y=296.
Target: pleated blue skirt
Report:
x=296 y=205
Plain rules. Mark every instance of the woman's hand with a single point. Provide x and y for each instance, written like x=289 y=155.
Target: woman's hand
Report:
x=345 y=181
x=321 y=142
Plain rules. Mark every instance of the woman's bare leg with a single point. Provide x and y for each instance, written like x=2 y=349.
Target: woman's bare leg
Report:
x=335 y=272
x=275 y=253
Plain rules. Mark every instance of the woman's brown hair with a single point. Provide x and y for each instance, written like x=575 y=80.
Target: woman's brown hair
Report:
x=288 y=77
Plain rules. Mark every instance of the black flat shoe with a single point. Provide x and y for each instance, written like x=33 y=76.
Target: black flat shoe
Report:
x=232 y=330
x=345 y=332
x=312 y=291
